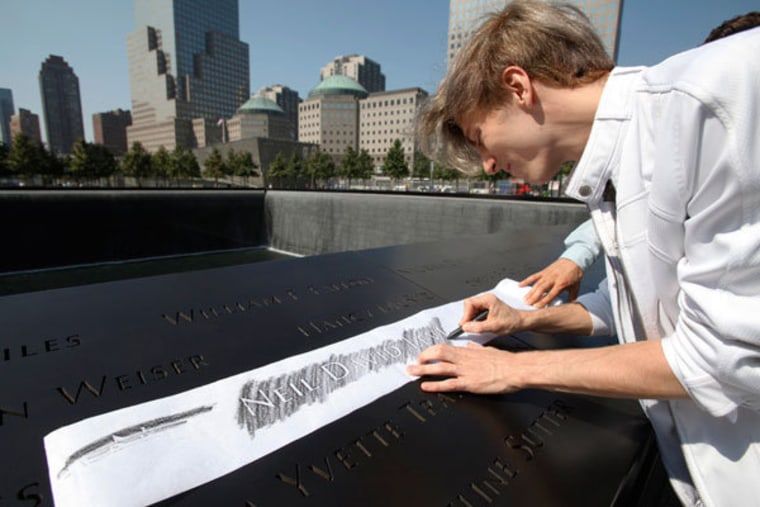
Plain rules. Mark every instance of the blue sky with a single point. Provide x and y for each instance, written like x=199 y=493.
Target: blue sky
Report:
x=290 y=40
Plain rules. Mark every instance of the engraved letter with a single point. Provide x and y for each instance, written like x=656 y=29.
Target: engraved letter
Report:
x=5 y=411
x=34 y=496
x=340 y=373
x=86 y=385
x=296 y=483
x=326 y=475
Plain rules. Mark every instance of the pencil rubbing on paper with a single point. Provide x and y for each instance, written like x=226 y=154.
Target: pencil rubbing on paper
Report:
x=265 y=402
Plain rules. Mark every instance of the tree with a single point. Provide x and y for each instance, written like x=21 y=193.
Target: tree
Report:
x=162 y=163
x=348 y=164
x=294 y=168
x=184 y=164
x=395 y=165
x=229 y=162
x=104 y=161
x=28 y=157
x=90 y=161
x=421 y=166
x=241 y=164
x=214 y=166
x=137 y=162
x=79 y=165
x=445 y=173
x=278 y=170
x=320 y=167
x=52 y=164
x=364 y=166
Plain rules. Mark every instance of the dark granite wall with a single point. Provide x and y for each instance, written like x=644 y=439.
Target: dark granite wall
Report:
x=54 y=228
x=44 y=229
x=309 y=223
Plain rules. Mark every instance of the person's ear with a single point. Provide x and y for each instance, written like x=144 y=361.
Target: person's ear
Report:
x=518 y=85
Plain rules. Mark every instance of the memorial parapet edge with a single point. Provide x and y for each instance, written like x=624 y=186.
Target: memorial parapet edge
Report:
x=69 y=354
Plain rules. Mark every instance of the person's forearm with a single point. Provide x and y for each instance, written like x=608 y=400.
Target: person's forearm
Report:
x=570 y=318
x=632 y=370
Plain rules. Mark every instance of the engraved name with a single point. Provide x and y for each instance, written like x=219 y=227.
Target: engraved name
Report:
x=317 y=327
x=126 y=381
x=524 y=447
x=223 y=309
x=49 y=345
x=301 y=478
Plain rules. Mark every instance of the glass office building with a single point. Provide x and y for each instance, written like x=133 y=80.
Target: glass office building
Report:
x=6 y=111
x=466 y=15
x=61 y=104
x=186 y=62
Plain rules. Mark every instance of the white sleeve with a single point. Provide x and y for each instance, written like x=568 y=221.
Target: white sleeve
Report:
x=582 y=246
x=599 y=307
x=708 y=163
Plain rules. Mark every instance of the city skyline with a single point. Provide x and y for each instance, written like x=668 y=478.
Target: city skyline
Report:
x=290 y=42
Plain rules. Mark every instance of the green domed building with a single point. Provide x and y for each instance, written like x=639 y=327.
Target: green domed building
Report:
x=329 y=116
x=259 y=117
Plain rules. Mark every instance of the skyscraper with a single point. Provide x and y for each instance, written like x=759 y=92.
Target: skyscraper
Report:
x=27 y=123
x=61 y=104
x=361 y=69
x=110 y=130
x=186 y=63
x=6 y=111
x=466 y=15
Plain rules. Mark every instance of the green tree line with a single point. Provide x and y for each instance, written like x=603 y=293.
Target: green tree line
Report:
x=318 y=168
x=87 y=162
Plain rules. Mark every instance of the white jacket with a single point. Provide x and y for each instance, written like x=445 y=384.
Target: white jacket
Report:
x=680 y=141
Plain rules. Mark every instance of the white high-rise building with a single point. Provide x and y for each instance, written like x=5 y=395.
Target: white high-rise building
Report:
x=466 y=15
x=387 y=116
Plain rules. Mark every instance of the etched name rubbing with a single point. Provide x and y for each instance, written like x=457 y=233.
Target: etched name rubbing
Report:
x=113 y=442
x=265 y=402
x=258 y=412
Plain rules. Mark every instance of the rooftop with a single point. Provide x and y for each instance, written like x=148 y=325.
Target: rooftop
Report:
x=339 y=85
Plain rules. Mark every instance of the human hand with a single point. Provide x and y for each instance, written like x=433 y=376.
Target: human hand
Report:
x=562 y=274
x=502 y=319
x=474 y=368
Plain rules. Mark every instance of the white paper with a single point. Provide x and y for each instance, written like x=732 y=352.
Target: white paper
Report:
x=148 y=452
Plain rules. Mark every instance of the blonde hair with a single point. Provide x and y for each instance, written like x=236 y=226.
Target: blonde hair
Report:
x=554 y=43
